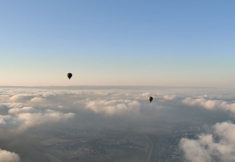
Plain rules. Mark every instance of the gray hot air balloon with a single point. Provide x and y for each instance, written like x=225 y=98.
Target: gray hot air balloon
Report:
x=69 y=75
x=150 y=99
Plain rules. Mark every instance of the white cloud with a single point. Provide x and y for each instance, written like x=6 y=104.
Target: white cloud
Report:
x=112 y=107
x=34 y=119
x=21 y=110
x=24 y=109
x=169 y=97
x=21 y=98
x=218 y=146
x=6 y=156
x=27 y=108
x=210 y=104
x=37 y=99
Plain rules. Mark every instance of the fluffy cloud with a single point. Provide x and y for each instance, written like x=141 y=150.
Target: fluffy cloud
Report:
x=46 y=111
x=6 y=156
x=37 y=99
x=112 y=107
x=169 y=97
x=209 y=104
x=20 y=110
x=20 y=98
x=18 y=106
x=34 y=119
x=218 y=146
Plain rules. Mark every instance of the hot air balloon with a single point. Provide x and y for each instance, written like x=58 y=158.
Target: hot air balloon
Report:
x=150 y=99
x=69 y=75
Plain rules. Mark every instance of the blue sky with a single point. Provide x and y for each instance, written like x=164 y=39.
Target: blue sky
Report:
x=117 y=42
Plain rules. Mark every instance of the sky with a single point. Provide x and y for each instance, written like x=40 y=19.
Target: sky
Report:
x=117 y=42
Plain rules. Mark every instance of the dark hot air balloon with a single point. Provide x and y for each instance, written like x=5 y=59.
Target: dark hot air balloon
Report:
x=69 y=75
x=150 y=99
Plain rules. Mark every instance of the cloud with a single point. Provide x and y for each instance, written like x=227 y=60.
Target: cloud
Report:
x=21 y=98
x=39 y=114
x=217 y=146
x=37 y=99
x=34 y=119
x=20 y=109
x=20 y=119
x=169 y=97
x=209 y=104
x=26 y=108
x=112 y=107
x=6 y=156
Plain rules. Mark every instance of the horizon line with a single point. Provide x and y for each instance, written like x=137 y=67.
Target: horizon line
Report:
x=68 y=86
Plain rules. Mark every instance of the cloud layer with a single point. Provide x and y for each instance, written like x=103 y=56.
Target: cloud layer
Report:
x=21 y=109
x=217 y=146
x=24 y=110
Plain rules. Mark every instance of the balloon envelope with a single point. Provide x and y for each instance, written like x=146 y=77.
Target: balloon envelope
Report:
x=150 y=99
x=69 y=75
